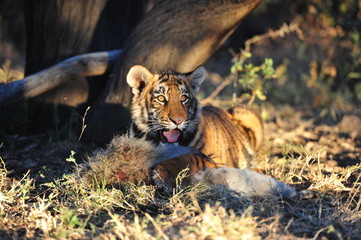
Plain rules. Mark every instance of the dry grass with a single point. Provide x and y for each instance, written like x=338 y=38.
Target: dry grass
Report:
x=66 y=209
x=300 y=150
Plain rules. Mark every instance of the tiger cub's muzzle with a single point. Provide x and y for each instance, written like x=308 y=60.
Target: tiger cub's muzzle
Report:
x=174 y=132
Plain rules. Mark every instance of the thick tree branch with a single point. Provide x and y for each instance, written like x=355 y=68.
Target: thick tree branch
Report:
x=91 y=64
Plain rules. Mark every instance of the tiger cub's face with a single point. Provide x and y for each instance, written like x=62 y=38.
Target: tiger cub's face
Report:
x=164 y=107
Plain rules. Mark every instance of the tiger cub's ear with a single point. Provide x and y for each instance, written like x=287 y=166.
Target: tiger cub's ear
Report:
x=196 y=78
x=137 y=78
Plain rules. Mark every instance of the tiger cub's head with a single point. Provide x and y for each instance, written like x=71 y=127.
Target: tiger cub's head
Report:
x=164 y=107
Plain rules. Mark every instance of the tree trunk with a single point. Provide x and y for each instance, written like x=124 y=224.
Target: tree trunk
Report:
x=57 y=30
x=176 y=34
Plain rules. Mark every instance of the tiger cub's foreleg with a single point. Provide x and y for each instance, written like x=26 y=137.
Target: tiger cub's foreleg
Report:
x=169 y=173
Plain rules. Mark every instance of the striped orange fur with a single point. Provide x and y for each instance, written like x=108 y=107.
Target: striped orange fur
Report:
x=165 y=110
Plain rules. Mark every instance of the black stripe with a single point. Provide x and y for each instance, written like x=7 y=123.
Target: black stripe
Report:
x=164 y=78
x=179 y=81
x=145 y=109
x=200 y=148
x=137 y=132
x=200 y=162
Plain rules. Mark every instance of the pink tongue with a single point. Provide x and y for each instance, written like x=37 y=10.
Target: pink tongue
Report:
x=172 y=135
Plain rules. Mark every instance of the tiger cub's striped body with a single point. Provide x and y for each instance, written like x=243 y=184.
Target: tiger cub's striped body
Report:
x=225 y=136
x=165 y=110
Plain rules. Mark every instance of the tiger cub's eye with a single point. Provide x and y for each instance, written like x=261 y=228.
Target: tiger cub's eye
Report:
x=161 y=98
x=184 y=98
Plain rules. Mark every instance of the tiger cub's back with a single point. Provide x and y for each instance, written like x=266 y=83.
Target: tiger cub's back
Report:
x=230 y=137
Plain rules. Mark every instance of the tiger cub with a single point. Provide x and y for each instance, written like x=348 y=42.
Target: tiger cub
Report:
x=165 y=110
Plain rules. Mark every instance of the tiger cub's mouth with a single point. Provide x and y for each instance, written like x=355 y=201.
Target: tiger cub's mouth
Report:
x=170 y=136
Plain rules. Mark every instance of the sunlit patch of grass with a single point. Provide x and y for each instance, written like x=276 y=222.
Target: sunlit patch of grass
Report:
x=71 y=209
x=298 y=166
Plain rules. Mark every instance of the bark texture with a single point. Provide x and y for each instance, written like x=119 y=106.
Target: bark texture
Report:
x=85 y=65
x=57 y=30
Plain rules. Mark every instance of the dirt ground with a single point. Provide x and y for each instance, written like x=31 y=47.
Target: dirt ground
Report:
x=312 y=149
x=332 y=136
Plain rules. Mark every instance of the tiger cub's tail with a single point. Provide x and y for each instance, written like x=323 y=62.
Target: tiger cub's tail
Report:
x=251 y=122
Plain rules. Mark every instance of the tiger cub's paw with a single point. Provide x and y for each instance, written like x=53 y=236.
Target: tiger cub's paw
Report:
x=162 y=179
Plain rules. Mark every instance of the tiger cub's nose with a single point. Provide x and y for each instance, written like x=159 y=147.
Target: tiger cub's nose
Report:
x=178 y=120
